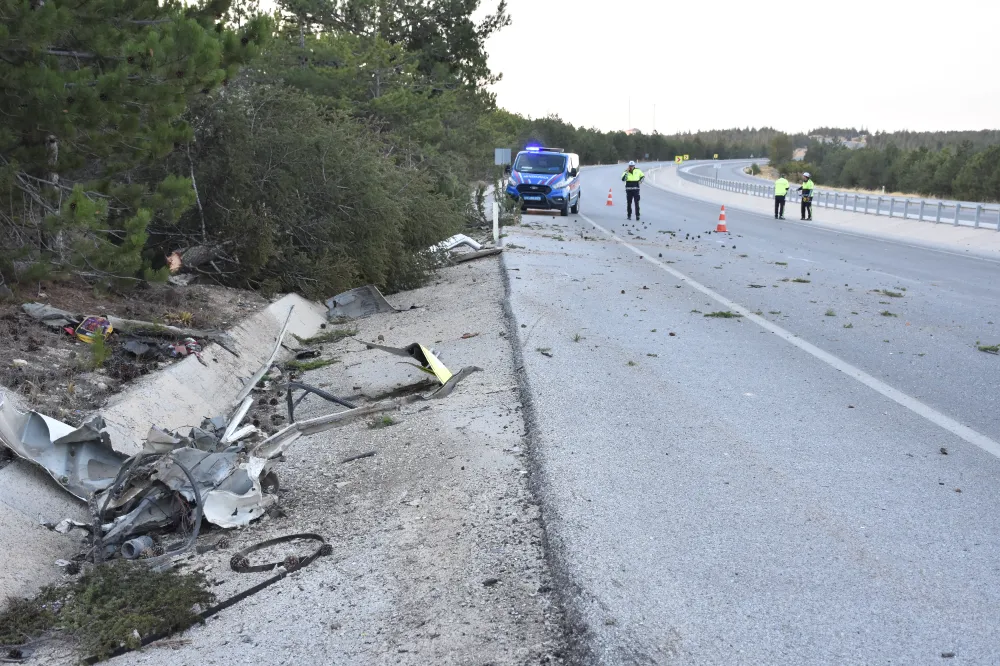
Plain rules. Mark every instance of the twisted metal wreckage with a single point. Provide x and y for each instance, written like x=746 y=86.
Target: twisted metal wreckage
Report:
x=222 y=471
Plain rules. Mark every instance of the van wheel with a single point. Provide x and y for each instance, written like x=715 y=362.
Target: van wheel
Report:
x=564 y=211
x=576 y=207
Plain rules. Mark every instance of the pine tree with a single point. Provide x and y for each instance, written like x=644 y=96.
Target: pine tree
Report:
x=93 y=93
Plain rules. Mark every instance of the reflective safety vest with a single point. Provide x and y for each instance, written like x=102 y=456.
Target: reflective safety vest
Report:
x=807 y=190
x=780 y=187
x=633 y=178
x=808 y=185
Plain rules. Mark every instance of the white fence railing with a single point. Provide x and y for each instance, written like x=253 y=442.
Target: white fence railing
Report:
x=980 y=216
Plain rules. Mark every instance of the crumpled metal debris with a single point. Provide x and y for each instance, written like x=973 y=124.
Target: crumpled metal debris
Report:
x=469 y=256
x=360 y=302
x=455 y=241
x=208 y=473
x=80 y=460
x=459 y=240
x=227 y=483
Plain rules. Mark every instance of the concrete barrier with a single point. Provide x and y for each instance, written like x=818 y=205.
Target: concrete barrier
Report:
x=186 y=392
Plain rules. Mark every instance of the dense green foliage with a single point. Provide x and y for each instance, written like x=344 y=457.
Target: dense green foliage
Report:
x=960 y=172
x=315 y=149
x=92 y=92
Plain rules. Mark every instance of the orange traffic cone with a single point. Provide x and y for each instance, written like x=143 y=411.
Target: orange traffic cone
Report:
x=609 y=197
x=721 y=226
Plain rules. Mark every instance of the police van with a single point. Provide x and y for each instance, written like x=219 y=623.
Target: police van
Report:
x=546 y=179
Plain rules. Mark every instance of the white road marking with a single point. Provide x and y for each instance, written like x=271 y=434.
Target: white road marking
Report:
x=920 y=409
x=801 y=259
x=898 y=277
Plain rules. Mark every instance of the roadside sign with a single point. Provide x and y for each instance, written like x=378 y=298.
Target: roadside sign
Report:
x=501 y=156
x=687 y=157
x=715 y=156
x=678 y=159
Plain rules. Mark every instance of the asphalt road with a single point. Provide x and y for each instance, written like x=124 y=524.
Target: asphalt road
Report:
x=817 y=483
x=732 y=170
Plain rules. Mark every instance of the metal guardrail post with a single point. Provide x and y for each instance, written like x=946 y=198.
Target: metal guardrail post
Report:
x=958 y=210
x=906 y=209
x=855 y=206
x=868 y=202
x=938 y=219
x=892 y=205
x=878 y=206
x=921 y=214
x=979 y=211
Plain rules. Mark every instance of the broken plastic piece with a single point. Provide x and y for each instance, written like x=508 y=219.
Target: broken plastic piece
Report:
x=92 y=327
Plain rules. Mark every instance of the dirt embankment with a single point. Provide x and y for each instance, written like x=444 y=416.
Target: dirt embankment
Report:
x=58 y=375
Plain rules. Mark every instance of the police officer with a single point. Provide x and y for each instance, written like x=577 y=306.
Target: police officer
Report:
x=780 y=190
x=807 y=196
x=632 y=177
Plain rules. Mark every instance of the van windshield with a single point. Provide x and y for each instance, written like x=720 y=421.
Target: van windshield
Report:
x=546 y=163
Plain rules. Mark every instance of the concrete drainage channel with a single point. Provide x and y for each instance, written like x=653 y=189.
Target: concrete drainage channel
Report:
x=183 y=449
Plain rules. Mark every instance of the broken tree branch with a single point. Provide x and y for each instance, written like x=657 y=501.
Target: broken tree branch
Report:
x=369 y=454
x=197 y=197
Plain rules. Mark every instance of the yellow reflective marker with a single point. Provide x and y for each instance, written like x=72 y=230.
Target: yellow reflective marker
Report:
x=715 y=156
x=437 y=367
x=687 y=157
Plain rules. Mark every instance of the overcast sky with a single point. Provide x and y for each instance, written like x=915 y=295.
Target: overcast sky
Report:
x=884 y=64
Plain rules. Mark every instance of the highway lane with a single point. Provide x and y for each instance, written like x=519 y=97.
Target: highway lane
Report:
x=725 y=496
x=732 y=170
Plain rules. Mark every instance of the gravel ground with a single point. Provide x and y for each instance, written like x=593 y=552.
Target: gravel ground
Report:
x=438 y=548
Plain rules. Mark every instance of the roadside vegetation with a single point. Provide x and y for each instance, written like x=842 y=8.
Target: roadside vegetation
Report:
x=108 y=607
x=951 y=165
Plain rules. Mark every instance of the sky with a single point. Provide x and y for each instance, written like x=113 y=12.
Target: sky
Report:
x=920 y=65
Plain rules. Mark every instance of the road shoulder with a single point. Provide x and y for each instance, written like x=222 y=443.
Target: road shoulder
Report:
x=438 y=547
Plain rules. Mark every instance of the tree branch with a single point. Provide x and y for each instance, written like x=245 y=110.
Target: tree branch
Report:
x=197 y=197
